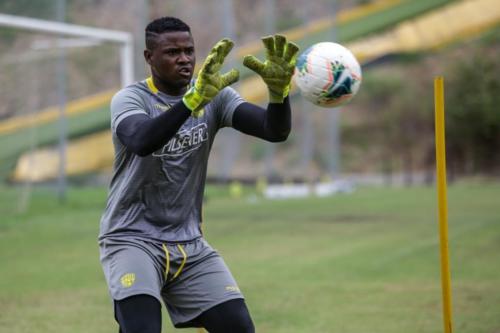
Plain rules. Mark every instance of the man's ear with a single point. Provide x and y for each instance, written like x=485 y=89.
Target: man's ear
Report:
x=147 y=56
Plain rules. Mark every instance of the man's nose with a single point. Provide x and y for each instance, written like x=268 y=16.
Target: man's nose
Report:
x=183 y=57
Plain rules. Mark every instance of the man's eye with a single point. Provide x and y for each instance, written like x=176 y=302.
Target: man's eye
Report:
x=189 y=51
x=171 y=52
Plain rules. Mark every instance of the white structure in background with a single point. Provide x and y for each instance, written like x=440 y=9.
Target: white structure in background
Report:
x=87 y=36
x=289 y=191
x=124 y=39
x=333 y=187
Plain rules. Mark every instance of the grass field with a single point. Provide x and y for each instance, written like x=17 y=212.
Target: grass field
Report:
x=367 y=262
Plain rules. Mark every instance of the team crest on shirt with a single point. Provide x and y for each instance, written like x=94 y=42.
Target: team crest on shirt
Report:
x=127 y=280
x=184 y=141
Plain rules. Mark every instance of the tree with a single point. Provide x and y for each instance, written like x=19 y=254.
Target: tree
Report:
x=398 y=119
x=473 y=113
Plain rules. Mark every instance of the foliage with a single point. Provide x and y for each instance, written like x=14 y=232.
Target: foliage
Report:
x=43 y=9
x=398 y=119
x=384 y=19
x=473 y=117
x=396 y=102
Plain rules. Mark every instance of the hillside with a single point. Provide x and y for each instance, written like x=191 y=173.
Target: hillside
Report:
x=250 y=156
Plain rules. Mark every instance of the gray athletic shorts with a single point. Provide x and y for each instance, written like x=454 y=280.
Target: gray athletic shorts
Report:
x=189 y=278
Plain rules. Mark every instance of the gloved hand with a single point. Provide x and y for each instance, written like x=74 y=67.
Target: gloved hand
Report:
x=277 y=69
x=209 y=81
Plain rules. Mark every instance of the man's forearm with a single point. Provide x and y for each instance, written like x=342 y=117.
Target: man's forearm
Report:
x=143 y=135
x=272 y=124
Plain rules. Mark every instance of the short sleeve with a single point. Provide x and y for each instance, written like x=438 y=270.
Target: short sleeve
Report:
x=124 y=104
x=227 y=101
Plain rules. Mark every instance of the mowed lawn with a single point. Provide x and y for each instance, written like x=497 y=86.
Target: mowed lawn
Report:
x=366 y=262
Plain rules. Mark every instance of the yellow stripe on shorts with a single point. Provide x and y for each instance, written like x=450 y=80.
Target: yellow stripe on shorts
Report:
x=183 y=261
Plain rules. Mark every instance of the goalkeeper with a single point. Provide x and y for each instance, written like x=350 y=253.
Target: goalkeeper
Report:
x=151 y=246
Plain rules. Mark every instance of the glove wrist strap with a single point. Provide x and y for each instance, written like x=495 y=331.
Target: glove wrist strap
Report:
x=275 y=97
x=193 y=100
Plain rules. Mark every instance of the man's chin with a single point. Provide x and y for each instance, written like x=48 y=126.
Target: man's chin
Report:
x=176 y=85
x=185 y=81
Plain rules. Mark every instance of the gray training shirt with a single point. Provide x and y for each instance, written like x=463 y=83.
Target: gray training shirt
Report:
x=159 y=196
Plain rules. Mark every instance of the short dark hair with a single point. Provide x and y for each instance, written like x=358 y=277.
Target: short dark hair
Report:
x=161 y=25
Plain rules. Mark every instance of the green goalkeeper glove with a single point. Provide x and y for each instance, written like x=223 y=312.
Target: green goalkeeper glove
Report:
x=209 y=81
x=277 y=69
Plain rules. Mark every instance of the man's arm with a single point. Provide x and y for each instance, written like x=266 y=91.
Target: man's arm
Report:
x=272 y=125
x=143 y=135
x=277 y=70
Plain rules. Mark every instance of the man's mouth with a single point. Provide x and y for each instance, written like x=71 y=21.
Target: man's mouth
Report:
x=185 y=71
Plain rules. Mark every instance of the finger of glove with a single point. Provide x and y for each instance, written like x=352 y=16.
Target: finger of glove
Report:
x=268 y=42
x=291 y=52
x=220 y=51
x=254 y=64
x=225 y=47
x=279 y=45
x=209 y=64
x=217 y=54
x=229 y=78
x=220 y=45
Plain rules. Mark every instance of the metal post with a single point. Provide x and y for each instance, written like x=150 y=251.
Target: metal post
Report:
x=270 y=24
x=333 y=120
x=127 y=62
x=142 y=14
x=308 y=111
x=232 y=139
x=333 y=133
x=308 y=135
x=61 y=92
x=33 y=105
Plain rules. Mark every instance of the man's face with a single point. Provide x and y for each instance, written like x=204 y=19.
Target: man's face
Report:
x=172 y=61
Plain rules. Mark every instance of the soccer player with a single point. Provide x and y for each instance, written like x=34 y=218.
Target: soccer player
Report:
x=151 y=245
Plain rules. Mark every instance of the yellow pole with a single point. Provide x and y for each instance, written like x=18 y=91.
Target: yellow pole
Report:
x=442 y=200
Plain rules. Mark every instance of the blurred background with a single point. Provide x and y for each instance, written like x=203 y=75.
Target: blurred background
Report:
x=384 y=136
x=55 y=89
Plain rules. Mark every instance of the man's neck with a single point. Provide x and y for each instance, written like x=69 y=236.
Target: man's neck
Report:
x=166 y=89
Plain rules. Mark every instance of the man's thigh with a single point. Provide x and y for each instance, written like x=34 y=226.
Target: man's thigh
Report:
x=130 y=268
x=205 y=282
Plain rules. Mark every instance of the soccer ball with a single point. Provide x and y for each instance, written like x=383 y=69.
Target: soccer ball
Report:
x=327 y=74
